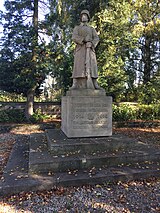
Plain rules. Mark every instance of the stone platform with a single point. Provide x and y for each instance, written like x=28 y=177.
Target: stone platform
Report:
x=61 y=154
x=86 y=113
x=41 y=163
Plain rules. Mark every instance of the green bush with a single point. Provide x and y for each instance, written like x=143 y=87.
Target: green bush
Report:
x=149 y=93
x=38 y=117
x=149 y=112
x=6 y=97
x=123 y=113
x=35 y=118
x=140 y=112
x=4 y=116
x=12 y=116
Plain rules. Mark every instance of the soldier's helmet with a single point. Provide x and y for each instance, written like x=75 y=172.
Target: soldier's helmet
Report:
x=86 y=12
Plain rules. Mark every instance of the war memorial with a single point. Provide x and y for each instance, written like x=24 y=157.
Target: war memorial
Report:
x=84 y=150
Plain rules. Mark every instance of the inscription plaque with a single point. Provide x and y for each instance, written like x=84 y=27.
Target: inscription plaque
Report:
x=87 y=116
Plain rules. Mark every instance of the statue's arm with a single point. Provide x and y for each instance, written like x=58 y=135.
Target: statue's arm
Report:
x=95 y=38
x=77 y=38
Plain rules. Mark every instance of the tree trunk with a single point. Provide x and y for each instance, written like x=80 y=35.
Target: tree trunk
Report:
x=35 y=22
x=31 y=91
x=147 y=60
x=30 y=103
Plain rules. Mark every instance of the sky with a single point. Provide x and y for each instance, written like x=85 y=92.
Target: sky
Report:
x=41 y=14
x=1 y=4
x=1 y=8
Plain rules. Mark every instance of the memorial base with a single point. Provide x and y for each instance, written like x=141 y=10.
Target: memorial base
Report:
x=86 y=113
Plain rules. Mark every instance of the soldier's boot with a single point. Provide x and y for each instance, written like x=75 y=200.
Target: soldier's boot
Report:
x=95 y=83
x=75 y=84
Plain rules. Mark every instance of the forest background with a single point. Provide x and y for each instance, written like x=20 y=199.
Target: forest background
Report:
x=34 y=46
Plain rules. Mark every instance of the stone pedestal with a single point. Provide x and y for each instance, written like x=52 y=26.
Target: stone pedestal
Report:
x=86 y=113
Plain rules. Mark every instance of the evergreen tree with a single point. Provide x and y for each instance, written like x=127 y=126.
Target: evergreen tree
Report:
x=129 y=45
x=144 y=60
x=128 y=53
x=114 y=28
x=24 y=55
x=147 y=27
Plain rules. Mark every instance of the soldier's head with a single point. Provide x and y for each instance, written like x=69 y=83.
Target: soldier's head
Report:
x=85 y=16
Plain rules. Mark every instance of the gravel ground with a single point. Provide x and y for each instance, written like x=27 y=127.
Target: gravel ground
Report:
x=135 y=196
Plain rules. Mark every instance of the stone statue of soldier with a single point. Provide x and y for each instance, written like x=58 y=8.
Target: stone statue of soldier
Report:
x=85 y=64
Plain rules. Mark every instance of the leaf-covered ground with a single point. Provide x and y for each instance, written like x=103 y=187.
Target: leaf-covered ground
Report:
x=147 y=135
x=8 y=137
x=134 y=196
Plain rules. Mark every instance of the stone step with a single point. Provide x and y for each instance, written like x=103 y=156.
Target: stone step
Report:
x=47 y=182
x=59 y=144
x=17 y=178
x=42 y=161
x=62 y=165
x=107 y=175
x=23 y=181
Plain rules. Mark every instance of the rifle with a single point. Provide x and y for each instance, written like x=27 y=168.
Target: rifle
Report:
x=88 y=69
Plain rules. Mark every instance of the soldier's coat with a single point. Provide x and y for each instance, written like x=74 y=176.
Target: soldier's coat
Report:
x=79 y=34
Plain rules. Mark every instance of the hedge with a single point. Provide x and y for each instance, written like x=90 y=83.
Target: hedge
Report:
x=123 y=112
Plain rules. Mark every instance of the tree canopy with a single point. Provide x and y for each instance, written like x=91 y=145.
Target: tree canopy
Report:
x=128 y=54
